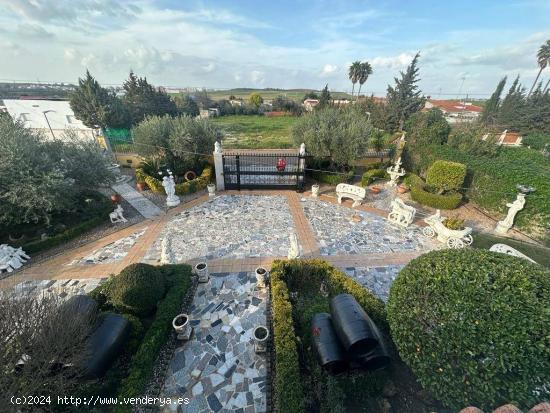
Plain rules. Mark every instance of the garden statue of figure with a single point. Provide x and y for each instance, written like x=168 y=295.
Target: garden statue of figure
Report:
x=116 y=215
x=217 y=147
x=395 y=172
x=170 y=188
x=507 y=223
x=294 y=250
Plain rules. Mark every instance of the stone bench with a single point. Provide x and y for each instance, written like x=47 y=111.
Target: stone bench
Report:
x=356 y=193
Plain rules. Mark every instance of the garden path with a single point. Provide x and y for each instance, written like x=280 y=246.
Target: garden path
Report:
x=143 y=205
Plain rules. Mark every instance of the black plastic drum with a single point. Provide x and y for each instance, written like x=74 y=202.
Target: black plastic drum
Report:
x=327 y=345
x=353 y=326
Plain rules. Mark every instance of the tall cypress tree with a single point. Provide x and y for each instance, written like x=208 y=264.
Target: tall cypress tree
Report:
x=489 y=116
x=405 y=98
x=512 y=108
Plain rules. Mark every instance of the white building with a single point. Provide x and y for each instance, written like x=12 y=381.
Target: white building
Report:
x=50 y=117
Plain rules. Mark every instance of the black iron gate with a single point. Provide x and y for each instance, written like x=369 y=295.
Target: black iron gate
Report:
x=269 y=170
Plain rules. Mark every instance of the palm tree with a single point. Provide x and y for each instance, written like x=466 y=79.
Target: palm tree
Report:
x=353 y=74
x=543 y=59
x=364 y=72
x=546 y=87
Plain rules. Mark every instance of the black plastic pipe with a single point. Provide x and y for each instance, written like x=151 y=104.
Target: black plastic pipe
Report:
x=327 y=345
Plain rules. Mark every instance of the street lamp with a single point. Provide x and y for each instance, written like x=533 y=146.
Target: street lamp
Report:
x=48 y=122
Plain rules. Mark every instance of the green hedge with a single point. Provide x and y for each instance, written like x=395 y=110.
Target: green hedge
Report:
x=137 y=289
x=473 y=326
x=332 y=178
x=372 y=175
x=446 y=201
x=289 y=392
x=446 y=175
x=183 y=188
x=178 y=278
x=410 y=180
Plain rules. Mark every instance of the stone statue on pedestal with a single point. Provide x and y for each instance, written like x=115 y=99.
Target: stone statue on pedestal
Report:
x=514 y=207
x=169 y=185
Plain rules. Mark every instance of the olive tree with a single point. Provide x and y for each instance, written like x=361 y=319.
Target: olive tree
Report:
x=339 y=134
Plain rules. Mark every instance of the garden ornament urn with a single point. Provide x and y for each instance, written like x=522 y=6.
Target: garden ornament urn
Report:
x=261 y=277
x=281 y=165
x=182 y=327
x=315 y=190
x=211 y=190
x=261 y=334
x=201 y=269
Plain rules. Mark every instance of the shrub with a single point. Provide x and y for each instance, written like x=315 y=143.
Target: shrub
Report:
x=143 y=361
x=446 y=201
x=289 y=394
x=371 y=175
x=332 y=178
x=183 y=188
x=446 y=175
x=473 y=326
x=137 y=289
x=536 y=141
x=412 y=180
x=454 y=223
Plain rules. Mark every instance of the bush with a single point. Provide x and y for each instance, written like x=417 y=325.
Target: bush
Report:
x=482 y=337
x=137 y=289
x=446 y=175
x=332 y=178
x=536 y=141
x=178 y=277
x=412 y=180
x=183 y=188
x=447 y=201
x=371 y=175
x=455 y=223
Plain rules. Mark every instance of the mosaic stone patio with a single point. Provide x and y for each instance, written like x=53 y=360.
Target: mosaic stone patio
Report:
x=113 y=252
x=63 y=288
x=336 y=233
x=218 y=369
x=229 y=226
x=377 y=280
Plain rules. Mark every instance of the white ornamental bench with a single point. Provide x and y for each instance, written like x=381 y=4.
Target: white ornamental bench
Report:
x=356 y=193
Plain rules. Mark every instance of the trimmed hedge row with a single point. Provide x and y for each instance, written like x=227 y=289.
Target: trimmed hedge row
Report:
x=178 y=279
x=446 y=201
x=412 y=180
x=332 y=178
x=289 y=393
x=183 y=188
x=371 y=175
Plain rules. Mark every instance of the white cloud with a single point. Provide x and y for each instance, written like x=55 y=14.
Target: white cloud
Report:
x=329 y=70
x=393 y=62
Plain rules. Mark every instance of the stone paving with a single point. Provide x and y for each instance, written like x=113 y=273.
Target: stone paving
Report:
x=377 y=280
x=218 y=369
x=229 y=226
x=337 y=233
x=63 y=288
x=144 y=206
x=112 y=252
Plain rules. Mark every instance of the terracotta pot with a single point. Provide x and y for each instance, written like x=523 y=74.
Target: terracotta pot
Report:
x=141 y=186
x=402 y=189
x=116 y=198
x=375 y=190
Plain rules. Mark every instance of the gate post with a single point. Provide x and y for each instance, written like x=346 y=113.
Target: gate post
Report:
x=218 y=166
x=301 y=175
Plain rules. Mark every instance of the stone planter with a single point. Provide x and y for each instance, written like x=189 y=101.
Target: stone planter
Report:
x=211 y=189
x=201 y=269
x=261 y=334
x=261 y=277
x=182 y=326
x=315 y=190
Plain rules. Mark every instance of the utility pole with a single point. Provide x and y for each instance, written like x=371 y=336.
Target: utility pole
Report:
x=48 y=122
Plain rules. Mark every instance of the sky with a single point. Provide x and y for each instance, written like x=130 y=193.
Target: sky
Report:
x=465 y=46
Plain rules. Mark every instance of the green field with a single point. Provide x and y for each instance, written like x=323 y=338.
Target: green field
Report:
x=256 y=132
x=269 y=94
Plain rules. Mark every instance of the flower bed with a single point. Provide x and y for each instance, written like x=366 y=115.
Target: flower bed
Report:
x=300 y=384
x=182 y=188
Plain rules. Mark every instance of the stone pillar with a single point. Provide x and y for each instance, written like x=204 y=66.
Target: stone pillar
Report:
x=302 y=165
x=218 y=166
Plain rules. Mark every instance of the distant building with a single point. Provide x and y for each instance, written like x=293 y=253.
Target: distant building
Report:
x=454 y=110
x=209 y=113
x=236 y=102
x=309 y=104
x=510 y=139
x=50 y=117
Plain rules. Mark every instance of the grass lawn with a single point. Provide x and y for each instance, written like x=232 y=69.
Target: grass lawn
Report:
x=537 y=253
x=256 y=132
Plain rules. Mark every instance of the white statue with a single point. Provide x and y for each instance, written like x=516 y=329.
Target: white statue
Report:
x=401 y=213
x=302 y=149
x=217 y=147
x=395 y=172
x=294 y=250
x=116 y=215
x=11 y=258
x=507 y=223
x=166 y=253
x=169 y=185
